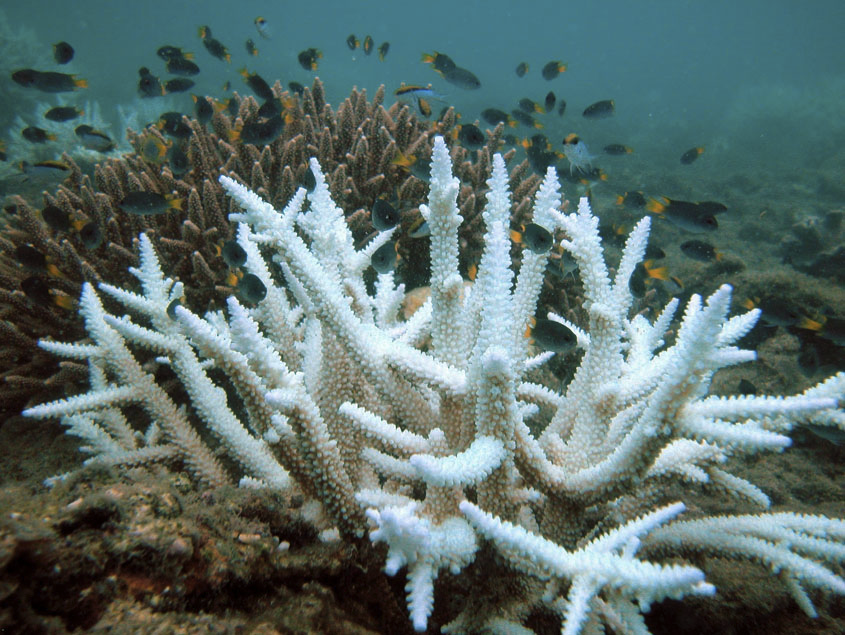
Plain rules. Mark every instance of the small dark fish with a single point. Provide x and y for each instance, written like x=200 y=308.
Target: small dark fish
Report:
x=420 y=229
x=653 y=252
x=745 y=387
x=462 y=78
x=691 y=155
x=440 y=62
x=171 y=308
x=296 y=87
x=494 y=116
x=684 y=214
x=260 y=132
x=250 y=48
x=31 y=258
x=550 y=100
x=182 y=66
x=63 y=113
x=368 y=44
x=521 y=69
x=384 y=216
x=178 y=85
x=33 y=134
x=257 y=83
x=149 y=203
x=471 y=137
x=213 y=46
x=262 y=27
x=178 y=160
x=149 y=85
x=56 y=218
x=539 y=158
x=525 y=119
x=62 y=52
x=233 y=254
x=382 y=50
x=172 y=125
x=2 y=150
x=632 y=200
x=48 y=82
x=308 y=59
x=251 y=289
x=538 y=238
x=202 y=109
x=384 y=258
x=561 y=107
x=644 y=273
x=36 y=289
x=45 y=168
x=553 y=336
x=700 y=250
x=530 y=106
x=779 y=311
x=352 y=42
x=309 y=181
x=168 y=52
x=600 y=109
x=153 y=149
x=553 y=69
x=91 y=235
x=617 y=149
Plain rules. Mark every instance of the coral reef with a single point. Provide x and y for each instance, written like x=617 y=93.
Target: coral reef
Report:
x=431 y=432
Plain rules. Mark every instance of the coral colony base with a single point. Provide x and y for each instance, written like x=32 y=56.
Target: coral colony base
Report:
x=428 y=431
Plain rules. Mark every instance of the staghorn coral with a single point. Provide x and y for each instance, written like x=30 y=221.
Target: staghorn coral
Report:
x=356 y=144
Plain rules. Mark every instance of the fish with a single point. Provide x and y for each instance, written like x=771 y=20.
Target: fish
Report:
x=382 y=50
x=745 y=387
x=644 y=274
x=178 y=85
x=561 y=107
x=420 y=229
x=251 y=289
x=530 y=106
x=494 y=116
x=213 y=45
x=233 y=254
x=63 y=113
x=2 y=150
x=413 y=90
x=384 y=216
x=178 y=160
x=552 y=336
x=149 y=203
x=62 y=52
x=168 y=52
x=182 y=66
x=153 y=149
x=296 y=87
x=525 y=119
x=203 y=110
x=258 y=85
x=34 y=134
x=30 y=258
x=368 y=44
x=352 y=42
x=172 y=125
x=149 y=85
x=578 y=155
x=471 y=137
x=600 y=110
x=549 y=102
x=691 y=155
x=259 y=132
x=48 y=82
x=521 y=69
x=94 y=139
x=251 y=49
x=384 y=258
x=462 y=78
x=780 y=311
x=440 y=62
x=262 y=27
x=617 y=149
x=424 y=107
x=832 y=329
x=632 y=200
x=536 y=237
x=45 y=168
x=540 y=158
x=308 y=59
x=56 y=218
x=553 y=69
x=684 y=214
x=700 y=250
x=91 y=235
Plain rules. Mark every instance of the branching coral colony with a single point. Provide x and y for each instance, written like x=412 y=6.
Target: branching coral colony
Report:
x=418 y=430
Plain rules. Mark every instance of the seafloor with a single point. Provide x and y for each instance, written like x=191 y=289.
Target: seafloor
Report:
x=145 y=552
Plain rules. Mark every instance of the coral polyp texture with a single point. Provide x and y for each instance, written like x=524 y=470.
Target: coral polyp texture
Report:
x=431 y=436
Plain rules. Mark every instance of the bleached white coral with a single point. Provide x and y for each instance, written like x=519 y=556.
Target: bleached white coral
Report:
x=337 y=400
